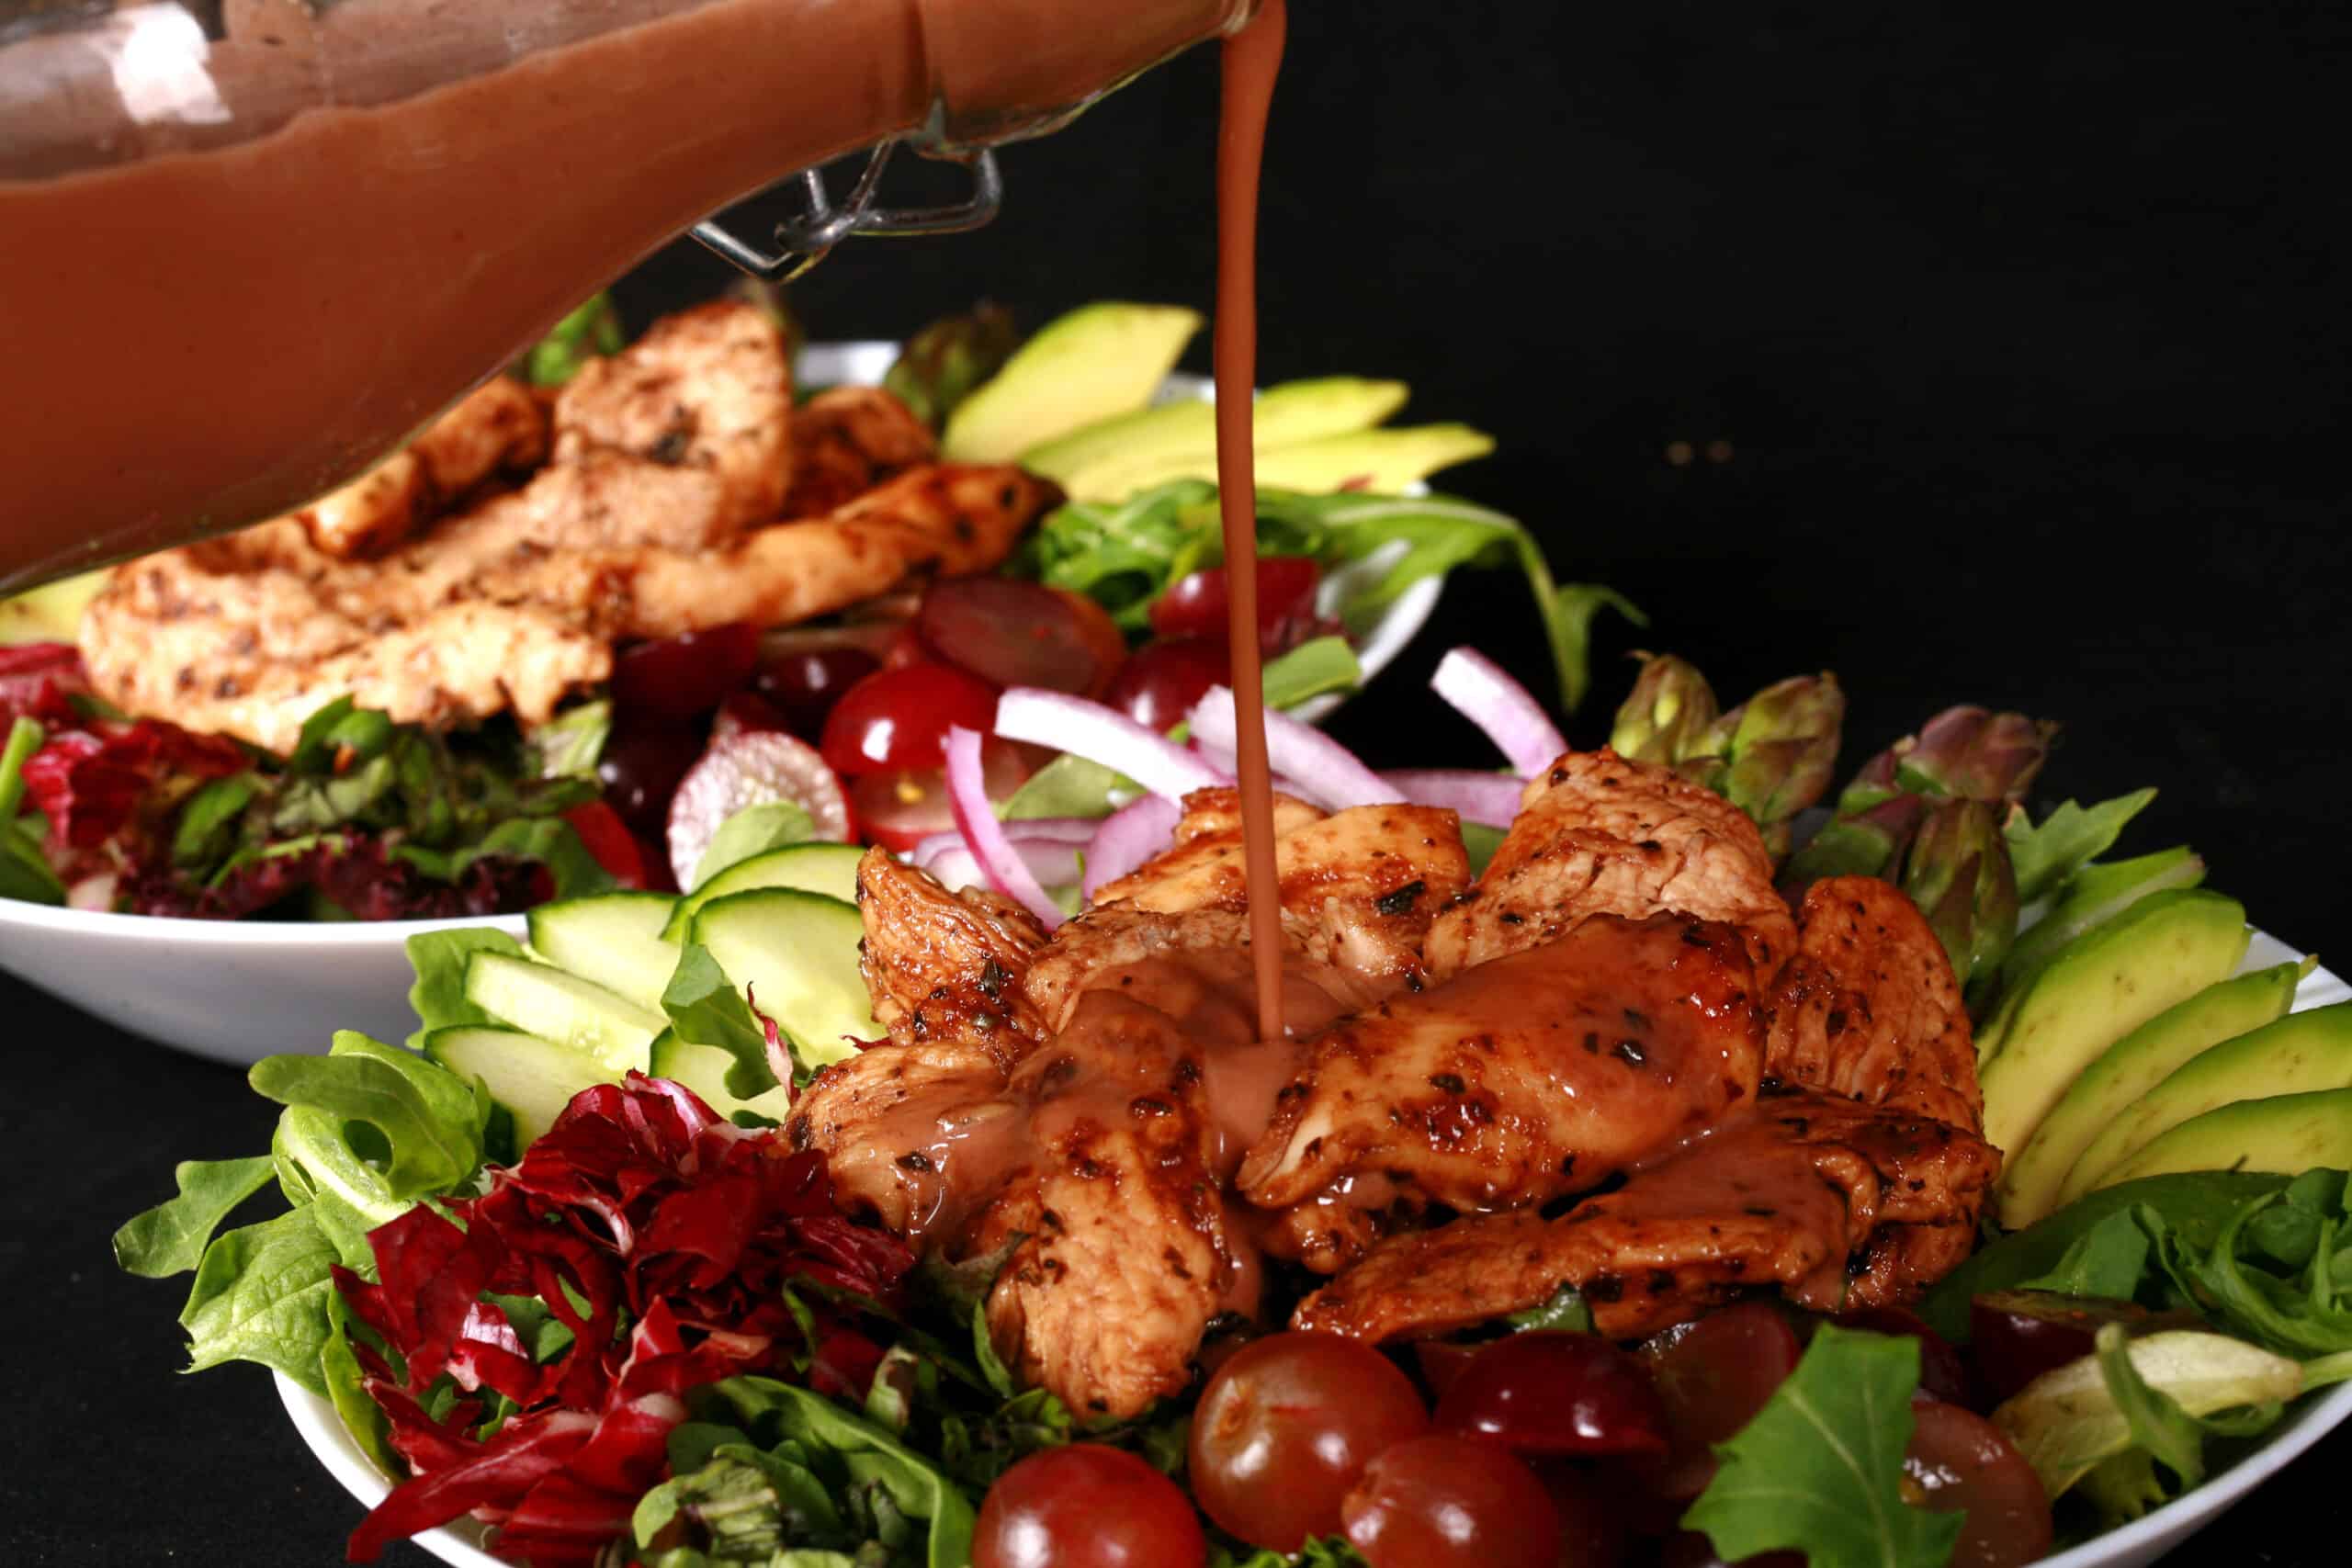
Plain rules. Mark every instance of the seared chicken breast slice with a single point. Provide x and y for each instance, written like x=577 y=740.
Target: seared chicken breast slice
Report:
x=497 y=427
x=1841 y=1205
x=1533 y=1076
x=917 y=1136
x=1599 y=835
x=947 y=969
x=706 y=392
x=846 y=440
x=1868 y=1007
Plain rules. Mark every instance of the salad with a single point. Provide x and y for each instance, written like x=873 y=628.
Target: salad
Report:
x=427 y=696
x=614 y=1258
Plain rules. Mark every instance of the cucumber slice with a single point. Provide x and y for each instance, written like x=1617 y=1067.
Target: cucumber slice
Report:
x=533 y=1078
x=703 y=1068
x=829 y=869
x=613 y=938
x=798 y=952
x=562 y=1008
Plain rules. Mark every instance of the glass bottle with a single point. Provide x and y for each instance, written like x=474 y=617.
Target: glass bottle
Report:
x=249 y=246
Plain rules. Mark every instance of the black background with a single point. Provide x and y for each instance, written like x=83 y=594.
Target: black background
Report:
x=2028 y=333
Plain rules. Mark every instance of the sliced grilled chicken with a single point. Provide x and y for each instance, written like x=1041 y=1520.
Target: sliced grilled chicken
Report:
x=1533 y=1076
x=846 y=440
x=1599 y=835
x=945 y=969
x=1841 y=1205
x=498 y=427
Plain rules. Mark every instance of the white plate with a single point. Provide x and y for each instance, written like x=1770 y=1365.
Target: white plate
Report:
x=239 y=990
x=2138 y=1543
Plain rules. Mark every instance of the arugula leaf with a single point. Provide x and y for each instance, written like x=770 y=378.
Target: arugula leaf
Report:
x=1318 y=1551
x=706 y=1009
x=170 y=1238
x=25 y=872
x=2302 y=1310
x=912 y=1484
x=438 y=995
x=754 y=830
x=23 y=740
x=1565 y=1310
x=2108 y=1260
x=1820 y=1468
x=207 y=822
x=261 y=1295
x=427 y=1122
x=550 y=841
x=2072 y=837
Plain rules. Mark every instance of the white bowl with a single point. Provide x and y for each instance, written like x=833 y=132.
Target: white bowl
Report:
x=239 y=990
x=2136 y=1544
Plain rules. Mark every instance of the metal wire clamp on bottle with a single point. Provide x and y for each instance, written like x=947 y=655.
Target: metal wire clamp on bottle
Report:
x=803 y=240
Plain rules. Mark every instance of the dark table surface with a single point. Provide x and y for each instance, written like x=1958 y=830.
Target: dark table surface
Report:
x=2029 y=350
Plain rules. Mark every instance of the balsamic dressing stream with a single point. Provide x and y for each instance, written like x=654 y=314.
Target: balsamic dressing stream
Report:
x=1251 y=58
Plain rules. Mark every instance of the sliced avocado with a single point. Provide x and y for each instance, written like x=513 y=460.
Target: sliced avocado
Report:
x=2094 y=894
x=2287 y=1132
x=2033 y=1177
x=2106 y=983
x=2302 y=1052
x=1285 y=415
x=51 y=613
x=1379 y=461
x=1098 y=361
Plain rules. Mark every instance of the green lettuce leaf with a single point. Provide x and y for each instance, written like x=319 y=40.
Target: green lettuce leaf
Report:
x=170 y=1238
x=708 y=1008
x=571 y=744
x=421 y=1124
x=754 y=830
x=591 y=329
x=1820 y=1468
x=438 y=995
x=2110 y=1260
x=1319 y=1551
x=1567 y=1309
x=261 y=1294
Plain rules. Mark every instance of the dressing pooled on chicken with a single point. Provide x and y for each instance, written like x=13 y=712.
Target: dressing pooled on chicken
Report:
x=1765 y=1101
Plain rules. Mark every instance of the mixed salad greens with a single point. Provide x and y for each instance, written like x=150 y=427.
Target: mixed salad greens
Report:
x=1119 y=594
x=558 y=1265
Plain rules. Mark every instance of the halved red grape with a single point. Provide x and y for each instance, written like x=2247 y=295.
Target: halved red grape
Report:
x=1957 y=1461
x=1086 y=1505
x=1440 y=1361
x=1161 y=680
x=1197 y=605
x=1286 y=1425
x=1550 y=1392
x=682 y=676
x=1447 y=1500
x=2016 y=1336
x=1012 y=633
x=1713 y=1376
x=897 y=720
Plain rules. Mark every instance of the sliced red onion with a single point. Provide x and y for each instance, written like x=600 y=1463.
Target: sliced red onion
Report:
x=967 y=795
x=1490 y=798
x=1103 y=734
x=1506 y=710
x=1127 y=838
x=1076 y=832
x=1054 y=865
x=1326 y=772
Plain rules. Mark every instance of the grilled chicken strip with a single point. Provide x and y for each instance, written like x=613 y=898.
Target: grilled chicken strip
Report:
x=1868 y=1007
x=499 y=426
x=946 y=968
x=1530 y=1076
x=942 y=519
x=846 y=440
x=1842 y=1205
x=1599 y=835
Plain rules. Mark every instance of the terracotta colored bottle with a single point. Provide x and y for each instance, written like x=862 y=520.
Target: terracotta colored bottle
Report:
x=248 y=247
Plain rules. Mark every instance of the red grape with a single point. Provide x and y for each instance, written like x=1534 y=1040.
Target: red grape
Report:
x=640 y=769
x=1712 y=1376
x=1942 y=1374
x=1161 y=680
x=1690 y=1548
x=686 y=675
x=2019 y=1335
x=1011 y=633
x=1594 y=1520
x=1287 y=1425
x=1449 y=1501
x=1086 y=1505
x=803 y=685
x=1958 y=1461
x=897 y=720
x=899 y=810
x=1550 y=1392
x=1196 y=606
